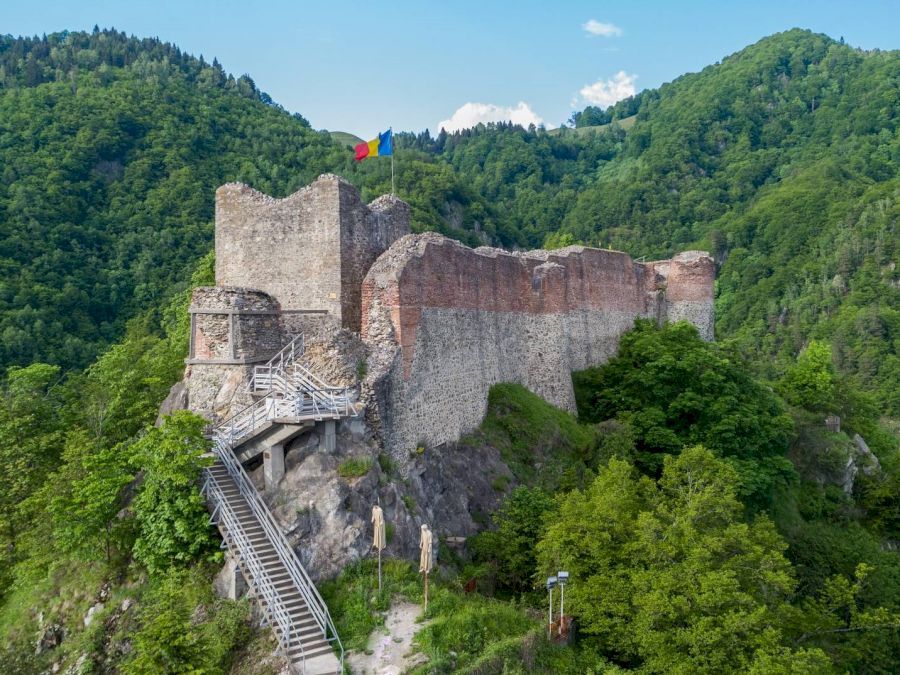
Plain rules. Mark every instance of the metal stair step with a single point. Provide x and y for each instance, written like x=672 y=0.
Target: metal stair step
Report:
x=311 y=649
x=303 y=633
x=283 y=381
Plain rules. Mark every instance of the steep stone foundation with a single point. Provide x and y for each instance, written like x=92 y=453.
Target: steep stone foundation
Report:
x=445 y=322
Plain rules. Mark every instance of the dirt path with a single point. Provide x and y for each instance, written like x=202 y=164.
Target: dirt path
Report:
x=390 y=645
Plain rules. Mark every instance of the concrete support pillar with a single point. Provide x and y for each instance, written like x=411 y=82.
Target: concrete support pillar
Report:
x=273 y=465
x=238 y=586
x=229 y=582
x=327 y=437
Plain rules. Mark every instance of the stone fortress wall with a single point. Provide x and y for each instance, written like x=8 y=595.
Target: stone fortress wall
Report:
x=310 y=250
x=440 y=322
x=284 y=267
x=444 y=322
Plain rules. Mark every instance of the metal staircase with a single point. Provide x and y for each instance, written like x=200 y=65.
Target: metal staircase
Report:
x=291 y=604
x=291 y=394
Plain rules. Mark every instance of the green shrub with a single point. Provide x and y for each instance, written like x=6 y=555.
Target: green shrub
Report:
x=673 y=389
x=524 y=427
x=172 y=520
x=387 y=465
x=355 y=467
x=468 y=626
x=183 y=629
x=511 y=546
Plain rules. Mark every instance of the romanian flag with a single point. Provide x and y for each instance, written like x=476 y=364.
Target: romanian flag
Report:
x=380 y=146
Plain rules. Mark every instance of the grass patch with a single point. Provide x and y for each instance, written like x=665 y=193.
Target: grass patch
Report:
x=345 y=138
x=626 y=123
x=410 y=503
x=525 y=428
x=463 y=633
x=63 y=596
x=355 y=603
x=355 y=467
x=463 y=628
x=388 y=466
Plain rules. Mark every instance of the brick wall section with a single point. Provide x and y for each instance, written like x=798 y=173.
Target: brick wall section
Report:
x=366 y=232
x=309 y=250
x=690 y=283
x=216 y=390
x=444 y=322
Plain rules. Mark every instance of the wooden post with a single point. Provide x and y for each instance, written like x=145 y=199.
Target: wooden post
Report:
x=379 y=570
x=426 y=591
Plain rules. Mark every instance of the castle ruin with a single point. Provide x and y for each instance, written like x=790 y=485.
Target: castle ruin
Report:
x=439 y=322
x=333 y=334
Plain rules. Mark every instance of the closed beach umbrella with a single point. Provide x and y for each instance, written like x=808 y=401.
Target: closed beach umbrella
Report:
x=378 y=538
x=425 y=560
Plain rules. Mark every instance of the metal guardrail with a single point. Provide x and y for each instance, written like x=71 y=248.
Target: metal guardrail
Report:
x=310 y=594
x=292 y=393
x=233 y=533
x=286 y=356
x=305 y=405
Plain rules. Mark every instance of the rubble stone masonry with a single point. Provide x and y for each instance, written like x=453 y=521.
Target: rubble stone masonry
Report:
x=310 y=250
x=444 y=322
x=440 y=322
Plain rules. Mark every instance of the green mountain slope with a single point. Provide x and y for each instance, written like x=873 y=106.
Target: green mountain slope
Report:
x=782 y=159
x=107 y=179
x=110 y=151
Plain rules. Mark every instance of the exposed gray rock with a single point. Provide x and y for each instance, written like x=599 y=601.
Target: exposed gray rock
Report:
x=327 y=517
x=50 y=638
x=229 y=582
x=868 y=462
x=176 y=400
x=92 y=612
x=859 y=459
x=78 y=667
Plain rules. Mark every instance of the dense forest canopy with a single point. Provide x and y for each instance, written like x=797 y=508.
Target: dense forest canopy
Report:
x=781 y=160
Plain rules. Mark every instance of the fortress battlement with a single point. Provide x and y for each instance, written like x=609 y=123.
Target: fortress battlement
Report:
x=441 y=322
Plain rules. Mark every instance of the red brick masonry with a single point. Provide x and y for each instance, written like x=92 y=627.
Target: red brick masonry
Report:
x=425 y=271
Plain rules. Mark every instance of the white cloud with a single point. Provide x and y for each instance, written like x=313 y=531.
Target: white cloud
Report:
x=604 y=93
x=596 y=28
x=472 y=114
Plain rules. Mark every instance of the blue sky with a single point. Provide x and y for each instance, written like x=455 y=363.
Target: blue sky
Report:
x=362 y=66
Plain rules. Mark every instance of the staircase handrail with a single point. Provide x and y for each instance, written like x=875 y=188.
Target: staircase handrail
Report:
x=285 y=356
x=314 y=381
x=258 y=577
x=314 y=601
x=270 y=408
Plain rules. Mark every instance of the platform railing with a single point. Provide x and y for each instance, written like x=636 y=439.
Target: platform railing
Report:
x=261 y=380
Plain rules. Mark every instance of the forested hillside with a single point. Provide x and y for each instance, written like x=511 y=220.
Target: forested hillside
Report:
x=110 y=151
x=782 y=160
x=710 y=521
